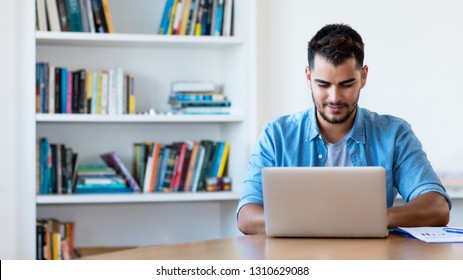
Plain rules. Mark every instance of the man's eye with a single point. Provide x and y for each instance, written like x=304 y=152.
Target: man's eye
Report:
x=323 y=85
x=347 y=85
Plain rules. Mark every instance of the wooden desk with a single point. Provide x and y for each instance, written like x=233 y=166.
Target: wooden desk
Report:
x=259 y=247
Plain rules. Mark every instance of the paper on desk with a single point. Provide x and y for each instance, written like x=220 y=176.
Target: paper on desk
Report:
x=431 y=234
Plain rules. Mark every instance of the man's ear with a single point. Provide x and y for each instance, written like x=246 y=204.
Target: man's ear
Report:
x=307 y=76
x=364 y=75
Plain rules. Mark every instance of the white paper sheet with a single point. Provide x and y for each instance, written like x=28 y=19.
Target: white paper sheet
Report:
x=431 y=234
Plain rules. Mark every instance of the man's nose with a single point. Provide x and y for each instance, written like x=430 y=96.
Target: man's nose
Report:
x=334 y=94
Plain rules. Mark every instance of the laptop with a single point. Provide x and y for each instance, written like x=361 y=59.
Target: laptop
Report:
x=325 y=201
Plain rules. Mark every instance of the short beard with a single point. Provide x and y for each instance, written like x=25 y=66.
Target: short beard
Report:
x=333 y=121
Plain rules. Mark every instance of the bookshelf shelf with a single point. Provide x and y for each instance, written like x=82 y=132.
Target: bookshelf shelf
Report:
x=136 y=198
x=133 y=40
x=82 y=118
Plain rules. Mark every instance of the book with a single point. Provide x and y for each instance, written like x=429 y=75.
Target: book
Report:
x=208 y=110
x=84 y=15
x=185 y=17
x=179 y=166
x=200 y=103
x=131 y=94
x=107 y=16
x=172 y=18
x=63 y=15
x=90 y=18
x=178 y=17
x=223 y=160
x=186 y=163
x=155 y=166
x=192 y=23
x=51 y=89
x=193 y=86
x=74 y=15
x=53 y=17
x=98 y=16
x=164 y=25
x=227 y=18
x=215 y=163
x=191 y=167
x=63 y=90
x=102 y=188
x=205 y=166
x=148 y=171
x=112 y=160
x=198 y=168
x=170 y=168
x=217 y=27
x=165 y=154
x=41 y=15
x=180 y=149
x=139 y=162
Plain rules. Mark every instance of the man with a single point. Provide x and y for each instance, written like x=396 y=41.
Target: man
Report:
x=336 y=132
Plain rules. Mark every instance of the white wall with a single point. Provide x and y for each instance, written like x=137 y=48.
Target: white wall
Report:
x=17 y=208
x=414 y=53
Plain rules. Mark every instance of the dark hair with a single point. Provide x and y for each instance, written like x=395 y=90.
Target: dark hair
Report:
x=336 y=43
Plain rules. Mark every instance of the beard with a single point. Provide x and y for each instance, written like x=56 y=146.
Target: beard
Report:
x=337 y=118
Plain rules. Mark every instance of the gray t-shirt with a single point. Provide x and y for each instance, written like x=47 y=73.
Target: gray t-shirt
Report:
x=338 y=155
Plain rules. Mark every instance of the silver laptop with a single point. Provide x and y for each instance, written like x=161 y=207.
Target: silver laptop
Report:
x=325 y=201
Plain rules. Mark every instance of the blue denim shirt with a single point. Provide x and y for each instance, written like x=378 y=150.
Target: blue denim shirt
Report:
x=375 y=140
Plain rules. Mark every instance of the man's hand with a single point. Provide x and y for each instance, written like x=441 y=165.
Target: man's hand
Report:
x=429 y=209
x=251 y=219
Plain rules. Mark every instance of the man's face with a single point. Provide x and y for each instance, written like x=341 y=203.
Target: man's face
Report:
x=335 y=89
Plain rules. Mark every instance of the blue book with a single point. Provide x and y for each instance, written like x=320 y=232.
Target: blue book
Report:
x=74 y=15
x=164 y=25
x=44 y=166
x=219 y=19
x=64 y=92
x=103 y=188
x=217 y=159
x=162 y=174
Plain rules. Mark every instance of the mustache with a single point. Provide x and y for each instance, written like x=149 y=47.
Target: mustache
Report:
x=337 y=104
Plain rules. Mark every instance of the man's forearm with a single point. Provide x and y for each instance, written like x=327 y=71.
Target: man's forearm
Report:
x=429 y=209
x=251 y=219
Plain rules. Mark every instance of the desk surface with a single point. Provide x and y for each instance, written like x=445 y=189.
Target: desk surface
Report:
x=259 y=247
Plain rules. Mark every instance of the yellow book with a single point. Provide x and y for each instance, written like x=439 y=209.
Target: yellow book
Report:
x=172 y=17
x=107 y=16
x=185 y=16
x=89 y=90
x=56 y=246
x=223 y=160
x=98 y=93
x=131 y=94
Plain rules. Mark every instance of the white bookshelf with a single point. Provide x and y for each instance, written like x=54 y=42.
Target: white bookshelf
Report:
x=156 y=61
x=134 y=40
x=136 y=198
x=86 y=118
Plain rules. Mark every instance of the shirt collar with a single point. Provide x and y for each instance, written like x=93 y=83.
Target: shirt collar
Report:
x=357 y=133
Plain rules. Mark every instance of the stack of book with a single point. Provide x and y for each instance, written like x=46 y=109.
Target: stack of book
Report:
x=197 y=17
x=74 y=16
x=60 y=90
x=56 y=164
x=187 y=166
x=197 y=97
x=99 y=178
x=54 y=240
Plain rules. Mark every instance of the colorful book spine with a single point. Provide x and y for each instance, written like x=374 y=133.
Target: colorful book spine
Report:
x=224 y=160
x=112 y=160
